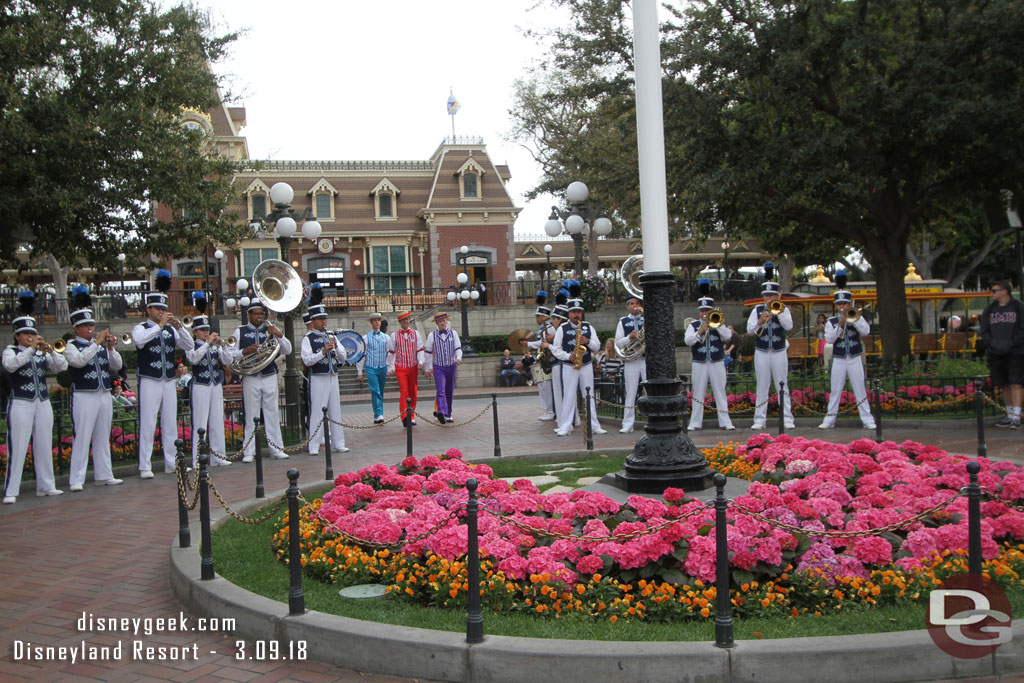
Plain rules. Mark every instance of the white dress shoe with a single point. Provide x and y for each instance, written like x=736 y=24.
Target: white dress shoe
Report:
x=790 y=425
x=870 y=426
x=600 y=431
x=170 y=470
x=343 y=449
x=75 y=487
x=246 y=458
x=693 y=429
x=757 y=425
x=110 y=482
x=561 y=432
x=826 y=425
x=626 y=430
x=146 y=474
x=10 y=500
x=546 y=418
x=279 y=456
x=728 y=428
x=51 y=492
x=219 y=462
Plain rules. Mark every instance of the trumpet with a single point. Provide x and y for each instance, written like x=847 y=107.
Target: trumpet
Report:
x=774 y=308
x=852 y=315
x=42 y=346
x=126 y=338
x=187 y=322
x=715 y=319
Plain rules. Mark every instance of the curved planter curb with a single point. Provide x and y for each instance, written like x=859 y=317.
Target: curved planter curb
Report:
x=445 y=656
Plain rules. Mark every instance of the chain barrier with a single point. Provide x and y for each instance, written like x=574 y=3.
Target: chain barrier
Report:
x=792 y=528
x=594 y=539
x=451 y=425
x=253 y=521
x=375 y=425
x=996 y=498
x=240 y=453
x=295 y=448
x=374 y=544
x=182 y=495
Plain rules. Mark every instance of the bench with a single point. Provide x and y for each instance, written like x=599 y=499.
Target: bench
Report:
x=925 y=344
x=802 y=349
x=954 y=343
x=523 y=376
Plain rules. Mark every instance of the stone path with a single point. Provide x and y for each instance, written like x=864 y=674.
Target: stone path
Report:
x=104 y=551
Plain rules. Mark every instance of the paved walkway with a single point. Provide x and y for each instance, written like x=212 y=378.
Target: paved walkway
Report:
x=104 y=551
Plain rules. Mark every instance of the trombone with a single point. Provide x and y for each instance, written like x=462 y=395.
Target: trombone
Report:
x=852 y=315
x=774 y=308
x=715 y=319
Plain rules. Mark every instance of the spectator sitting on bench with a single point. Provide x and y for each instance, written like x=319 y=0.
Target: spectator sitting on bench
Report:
x=508 y=369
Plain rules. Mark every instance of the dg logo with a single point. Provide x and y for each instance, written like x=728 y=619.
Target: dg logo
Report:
x=969 y=617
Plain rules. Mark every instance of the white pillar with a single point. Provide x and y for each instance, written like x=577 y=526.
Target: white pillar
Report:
x=650 y=136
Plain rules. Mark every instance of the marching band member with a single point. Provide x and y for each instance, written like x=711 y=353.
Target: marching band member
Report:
x=847 y=352
x=156 y=339
x=305 y=380
x=29 y=415
x=321 y=354
x=770 y=359
x=583 y=378
x=407 y=347
x=443 y=356
x=559 y=314
x=206 y=397
x=708 y=347
x=545 y=333
x=635 y=371
x=259 y=391
x=92 y=359
x=378 y=363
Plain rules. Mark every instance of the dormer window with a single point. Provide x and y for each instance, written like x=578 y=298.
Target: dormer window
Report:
x=470 y=180
x=322 y=197
x=258 y=204
x=258 y=200
x=385 y=201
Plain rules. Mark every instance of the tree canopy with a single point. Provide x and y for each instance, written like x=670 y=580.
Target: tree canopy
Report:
x=817 y=122
x=91 y=98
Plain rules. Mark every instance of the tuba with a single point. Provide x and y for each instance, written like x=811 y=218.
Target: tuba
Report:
x=279 y=288
x=632 y=269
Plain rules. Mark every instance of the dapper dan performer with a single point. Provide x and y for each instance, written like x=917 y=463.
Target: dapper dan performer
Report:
x=575 y=343
x=844 y=332
x=156 y=338
x=378 y=364
x=92 y=361
x=407 y=348
x=769 y=322
x=443 y=356
x=708 y=347
x=259 y=391
x=545 y=333
x=635 y=371
x=206 y=390
x=322 y=354
x=29 y=415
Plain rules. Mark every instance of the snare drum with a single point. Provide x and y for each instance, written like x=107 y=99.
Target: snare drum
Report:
x=538 y=375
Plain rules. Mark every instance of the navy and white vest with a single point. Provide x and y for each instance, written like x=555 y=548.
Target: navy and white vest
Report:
x=208 y=371
x=156 y=358
x=249 y=335
x=631 y=324
x=95 y=374
x=772 y=337
x=29 y=381
x=711 y=349
x=569 y=332
x=542 y=333
x=327 y=365
x=848 y=343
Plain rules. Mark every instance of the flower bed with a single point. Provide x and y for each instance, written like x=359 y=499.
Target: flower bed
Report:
x=582 y=552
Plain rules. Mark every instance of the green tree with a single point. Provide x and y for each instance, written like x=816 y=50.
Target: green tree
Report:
x=91 y=98
x=853 y=119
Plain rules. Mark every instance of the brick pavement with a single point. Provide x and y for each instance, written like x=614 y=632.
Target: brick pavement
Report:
x=104 y=551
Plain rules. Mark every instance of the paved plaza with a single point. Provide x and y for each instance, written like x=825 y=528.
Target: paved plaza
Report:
x=104 y=551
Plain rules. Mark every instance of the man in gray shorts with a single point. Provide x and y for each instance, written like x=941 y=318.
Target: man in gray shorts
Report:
x=1002 y=332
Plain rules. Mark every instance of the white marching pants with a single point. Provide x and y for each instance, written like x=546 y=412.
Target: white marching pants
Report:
x=260 y=391
x=157 y=396
x=91 y=412
x=702 y=373
x=852 y=368
x=29 y=419
x=572 y=380
x=771 y=366
x=634 y=372
x=208 y=413
x=547 y=398
x=323 y=391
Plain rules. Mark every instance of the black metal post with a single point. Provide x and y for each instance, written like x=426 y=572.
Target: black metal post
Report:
x=474 y=617
x=206 y=551
x=329 y=474
x=497 y=437
x=782 y=408
x=256 y=422
x=723 y=606
x=973 y=520
x=184 y=535
x=408 y=427
x=878 y=410
x=291 y=371
x=979 y=410
x=589 y=428
x=547 y=276
x=296 y=597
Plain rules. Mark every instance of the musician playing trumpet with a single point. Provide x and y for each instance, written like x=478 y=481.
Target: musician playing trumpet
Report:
x=708 y=347
x=771 y=362
x=545 y=334
x=206 y=390
x=634 y=371
x=156 y=338
x=322 y=354
x=844 y=332
x=573 y=338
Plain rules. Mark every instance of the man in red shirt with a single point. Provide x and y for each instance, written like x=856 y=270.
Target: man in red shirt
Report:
x=407 y=345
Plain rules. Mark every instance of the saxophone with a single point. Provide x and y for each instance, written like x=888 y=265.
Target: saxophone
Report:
x=543 y=355
x=579 y=350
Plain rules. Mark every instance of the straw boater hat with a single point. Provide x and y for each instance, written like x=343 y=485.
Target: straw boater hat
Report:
x=404 y=314
x=82 y=302
x=158 y=299
x=25 y=322
x=440 y=316
x=542 y=298
x=375 y=316
x=842 y=296
x=704 y=302
x=769 y=287
x=200 y=322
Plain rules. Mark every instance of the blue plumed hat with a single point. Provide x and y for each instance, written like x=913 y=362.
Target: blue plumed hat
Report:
x=704 y=301
x=26 y=304
x=158 y=299
x=542 y=298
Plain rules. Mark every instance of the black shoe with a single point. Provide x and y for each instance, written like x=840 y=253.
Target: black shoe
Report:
x=1006 y=423
x=439 y=416
x=1015 y=424
x=405 y=421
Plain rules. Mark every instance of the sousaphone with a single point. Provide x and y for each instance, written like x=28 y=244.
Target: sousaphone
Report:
x=278 y=287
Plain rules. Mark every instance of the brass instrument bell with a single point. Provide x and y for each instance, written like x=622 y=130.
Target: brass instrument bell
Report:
x=852 y=315
x=716 y=318
x=59 y=345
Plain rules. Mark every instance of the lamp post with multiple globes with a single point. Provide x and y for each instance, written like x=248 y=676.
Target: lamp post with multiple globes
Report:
x=578 y=222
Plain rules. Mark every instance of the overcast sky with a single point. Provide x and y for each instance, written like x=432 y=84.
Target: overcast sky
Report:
x=370 y=80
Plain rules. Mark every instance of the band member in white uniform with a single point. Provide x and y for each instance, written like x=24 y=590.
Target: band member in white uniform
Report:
x=708 y=347
x=634 y=371
x=847 y=357
x=259 y=391
x=573 y=379
x=559 y=314
x=322 y=354
x=377 y=363
x=156 y=339
x=29 y=415
x=206 y=390
x=92 y=362
x=443 y=355
x=771 y=362
x=545 y=333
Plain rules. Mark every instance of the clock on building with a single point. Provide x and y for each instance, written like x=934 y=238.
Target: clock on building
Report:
x=325 y=245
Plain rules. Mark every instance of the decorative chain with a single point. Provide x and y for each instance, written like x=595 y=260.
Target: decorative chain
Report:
x=182 y=495
x=451 y=425
x=247 y=520
x=792 y=528
x=999 y=499
x=375 y=425
x=374 y=544
x=296 y=448
x=240 y=453
x=591 y=539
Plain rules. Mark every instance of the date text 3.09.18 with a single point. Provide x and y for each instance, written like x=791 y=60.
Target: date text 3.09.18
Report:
x=270 y=650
